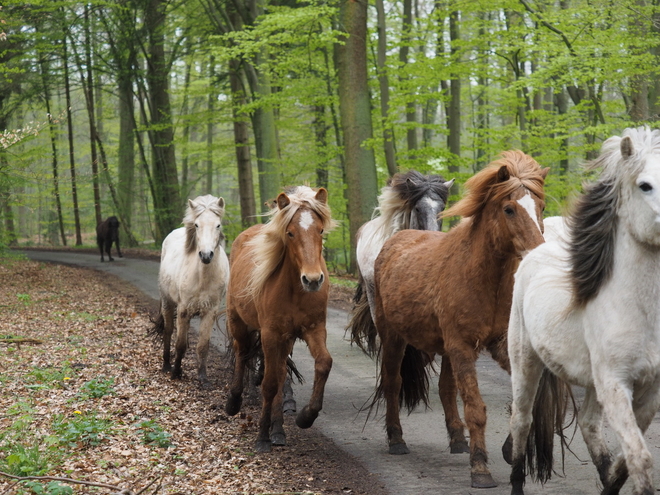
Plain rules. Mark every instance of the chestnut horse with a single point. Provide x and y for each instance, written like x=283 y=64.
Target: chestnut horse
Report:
x=450 y=294
x=278 y=291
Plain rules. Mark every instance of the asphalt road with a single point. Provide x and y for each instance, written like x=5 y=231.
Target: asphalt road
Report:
x=429 y=468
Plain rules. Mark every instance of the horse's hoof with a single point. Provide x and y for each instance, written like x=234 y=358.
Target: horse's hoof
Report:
x=483 y=480
x=167 y=368
x=176 y=374
x=112 y=259
x=306 y=418
x=289 y=406
x=399 y=449
x=262 y=446
x=233 y=405
x=507 y=450
x=459 y=448
x=205 y=384
x=278 y=439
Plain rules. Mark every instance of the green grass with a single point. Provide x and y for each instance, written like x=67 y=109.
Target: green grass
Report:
x=97 y=388
x=343 y=282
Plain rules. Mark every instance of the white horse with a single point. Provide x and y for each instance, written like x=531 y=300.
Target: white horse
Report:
x=409 y=201
x=587 y=312
x=193 y=278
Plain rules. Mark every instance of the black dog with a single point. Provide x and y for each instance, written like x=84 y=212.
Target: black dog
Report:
x=107 y=232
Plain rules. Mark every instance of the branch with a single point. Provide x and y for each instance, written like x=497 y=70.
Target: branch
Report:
x=550 y=27
x=120 y=491
x=20 y=340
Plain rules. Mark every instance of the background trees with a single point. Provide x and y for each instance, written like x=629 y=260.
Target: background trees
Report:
x=239 y=98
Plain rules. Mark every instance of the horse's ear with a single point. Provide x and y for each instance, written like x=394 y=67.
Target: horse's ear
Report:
x=192 y=204
x=544 y=172
x=221 y=202
x=626 y=147
x=503 y=174
x=283 y=201
x=322 y=195
x=449 y=183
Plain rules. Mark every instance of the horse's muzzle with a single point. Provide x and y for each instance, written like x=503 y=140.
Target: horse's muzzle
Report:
x=312 y=284
x=206 y=257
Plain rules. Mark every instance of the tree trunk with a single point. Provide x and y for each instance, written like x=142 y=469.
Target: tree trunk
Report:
x=210 y=127
x=454 y=113
x=355 y=109
x=411 y=108
x=242 y=146
x=321 y=138
x=167 y=202
x=72 y=161
x=388 y=135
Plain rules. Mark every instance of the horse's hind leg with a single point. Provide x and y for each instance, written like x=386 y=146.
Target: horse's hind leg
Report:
x=242 y=343
x=181 y=346
x=205 y=328
x=465 y=373
x=316 y=341
x=108 y=246
x=393 y=350
x=277 y=435
x=448 y=394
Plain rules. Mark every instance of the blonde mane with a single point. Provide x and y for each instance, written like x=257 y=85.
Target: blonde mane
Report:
x=269 y=245
x=483 y=187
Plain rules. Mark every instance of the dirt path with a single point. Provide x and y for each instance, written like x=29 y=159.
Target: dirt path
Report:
x=430 y=468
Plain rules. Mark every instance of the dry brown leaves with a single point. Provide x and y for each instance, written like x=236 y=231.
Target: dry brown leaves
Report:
x=99 y=330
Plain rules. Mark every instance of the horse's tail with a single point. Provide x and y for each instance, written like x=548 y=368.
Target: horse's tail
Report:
x=414 y=379
x=157 y=327
x=550 y=405
x=362 y=327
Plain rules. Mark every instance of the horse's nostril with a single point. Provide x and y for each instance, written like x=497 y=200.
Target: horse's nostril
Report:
x=305 y=280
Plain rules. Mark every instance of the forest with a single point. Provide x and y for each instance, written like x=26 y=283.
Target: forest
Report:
x=130 y=107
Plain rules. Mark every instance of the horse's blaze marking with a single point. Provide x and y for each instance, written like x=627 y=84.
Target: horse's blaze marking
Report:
x=431 y=202
x=306 y=220
x=527 y=202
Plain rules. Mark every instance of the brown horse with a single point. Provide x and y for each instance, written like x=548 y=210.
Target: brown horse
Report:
x=107 y=232
x=278 y=291
x=450 y=294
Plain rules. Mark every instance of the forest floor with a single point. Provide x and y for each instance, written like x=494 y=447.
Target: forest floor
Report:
x=82 y=398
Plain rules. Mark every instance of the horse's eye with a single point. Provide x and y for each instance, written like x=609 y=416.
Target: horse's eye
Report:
x=290 y=234
x=196 y=226
x=321 y=231
x=646 y=187
x=218 y=226
x=509 y=211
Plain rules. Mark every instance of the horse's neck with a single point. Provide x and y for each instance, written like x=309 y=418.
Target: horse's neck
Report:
x=636 y=267
x=487 y=245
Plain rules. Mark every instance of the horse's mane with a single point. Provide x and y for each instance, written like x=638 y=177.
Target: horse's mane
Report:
x=483 y=187
x=269 y=244
x=202 y=203
x=594 y=220
x=399 y=196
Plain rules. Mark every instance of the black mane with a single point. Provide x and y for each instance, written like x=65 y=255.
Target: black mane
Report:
x=413 y=186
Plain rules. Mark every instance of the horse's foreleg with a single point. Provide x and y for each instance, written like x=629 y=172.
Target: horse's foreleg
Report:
x=242 y=345
x=277 y=435
x=590 y=419
x=271 y=387
x=167 y=311
x=205 y=329
x=448 y=394
x=316 y=341
x=117 y=244
x=389 y=387
x=183 y=326
x=465 y=373
x=108 y=246
x=618 y=407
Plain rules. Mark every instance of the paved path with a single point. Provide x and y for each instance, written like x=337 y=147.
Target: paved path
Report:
x=429 y=468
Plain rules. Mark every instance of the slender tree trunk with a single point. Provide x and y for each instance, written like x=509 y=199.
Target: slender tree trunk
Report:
x=411 y=108
x=561 y=102
x=72 y=161
x=210 y=127
x=89 y=92
x=355 y=109
x=383 y=80
x=454 y=113
x=321 y=138
x=242 y=146
x=167 y=202
x=126 y=148
x=53 y=145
